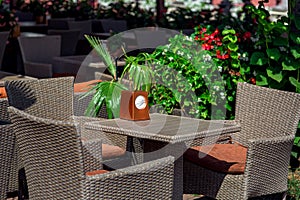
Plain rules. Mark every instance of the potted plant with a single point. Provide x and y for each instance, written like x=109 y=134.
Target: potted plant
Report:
x=109 y=93
x=38 y=8
x=134 y=103
x=8 y=21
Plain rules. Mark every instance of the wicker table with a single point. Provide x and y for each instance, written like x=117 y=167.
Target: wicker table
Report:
x=165 y=135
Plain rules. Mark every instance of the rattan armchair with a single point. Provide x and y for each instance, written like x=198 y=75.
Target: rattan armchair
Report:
x=269 y=120
x=53 y=98
x=7 y=142
x=60 y=166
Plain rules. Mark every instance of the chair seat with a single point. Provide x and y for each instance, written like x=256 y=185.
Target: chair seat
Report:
x=224 y=158
x=85 y=86
x=96 y=172
x=3 y=92
x=111 y=151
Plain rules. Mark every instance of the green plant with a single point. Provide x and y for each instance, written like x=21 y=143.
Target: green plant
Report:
x=276 y=56
x=294 y=185
x=38 y=8
x=223 y=46
x=186 y=78
x=7 y=19
x=105 y=92
x=137 y=69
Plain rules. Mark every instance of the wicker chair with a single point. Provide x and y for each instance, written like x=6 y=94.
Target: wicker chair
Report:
x=53 y=98
x=59 y=166
x=38 y=53
x=7 y=142
x=3 y=39
x=269 y=120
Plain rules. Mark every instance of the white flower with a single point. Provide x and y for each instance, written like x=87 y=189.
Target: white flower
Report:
x=207 y=58
x=217 y=88
x=282 y=48
x=180 y=53
x=220 y=68
x=222 y=95
x=189 y=38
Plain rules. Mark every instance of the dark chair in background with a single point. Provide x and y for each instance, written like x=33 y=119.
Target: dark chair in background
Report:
x=38 y=53
x=3 y=40
x=59 y=23
x=109 y=26
x=69 y=39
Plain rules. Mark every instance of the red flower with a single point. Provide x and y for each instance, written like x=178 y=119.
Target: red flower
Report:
x=221 y=57
x=247 y=35
x=253 y=81
x=207 y=47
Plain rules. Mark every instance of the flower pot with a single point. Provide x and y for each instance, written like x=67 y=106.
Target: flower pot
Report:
x=40 y=19
x=134 y=105
x=16 y=31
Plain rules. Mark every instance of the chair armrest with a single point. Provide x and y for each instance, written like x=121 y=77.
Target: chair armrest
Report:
x=81 y=120
x=220 y=139
x=38 y=70
x=3 y=109
x=92 y=154
x=150 y=180
x=232 y=122
x=267 y=163
x=8 y=158
x=107 y=138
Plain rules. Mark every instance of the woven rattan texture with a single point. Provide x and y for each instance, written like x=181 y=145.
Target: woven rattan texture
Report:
x=48 y=98
x=268 y=120
x=3 y=109
x=7 y=142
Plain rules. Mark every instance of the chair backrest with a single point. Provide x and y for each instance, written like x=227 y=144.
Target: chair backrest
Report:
x=50 y=98
x=84 y=26
x=40 y=49
x=52 y=155
x=3 y=39
x=109 y=25
x=259 y=108
x=24 y=16
x=69 y=39
x=59 y=23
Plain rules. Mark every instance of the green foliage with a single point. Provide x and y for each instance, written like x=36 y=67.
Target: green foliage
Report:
x=294 y=185
x=109 y=92
x=186 y=78
x=103 y=53
x=7 y=19
x=139 y=71
x=276 y=57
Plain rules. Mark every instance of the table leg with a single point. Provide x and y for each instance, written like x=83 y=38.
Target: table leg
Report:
x=155 y=149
